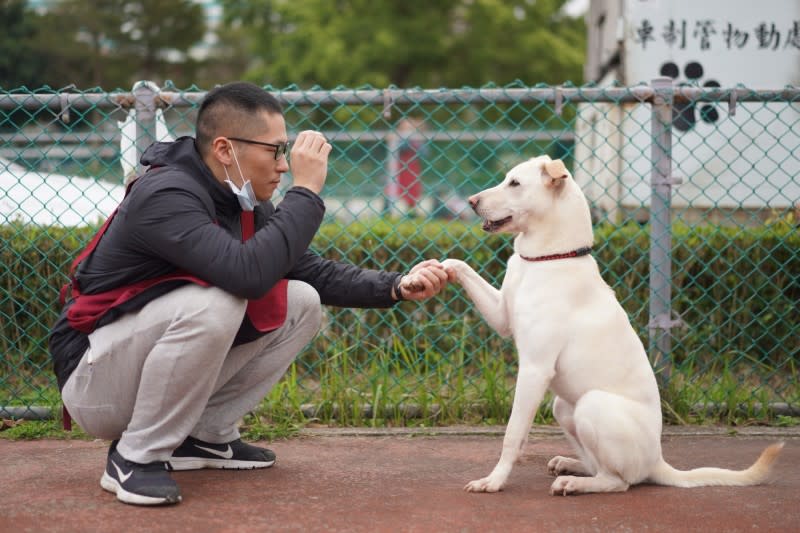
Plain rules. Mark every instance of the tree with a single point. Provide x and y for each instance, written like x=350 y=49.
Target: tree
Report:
x=409 y=42
x=159 y=34
x=82 y=38
x=20 y=63
x=530 y=41
x=226 y=61
x=91 y=43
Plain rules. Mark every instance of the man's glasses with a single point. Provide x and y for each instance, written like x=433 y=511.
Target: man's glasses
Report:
x=280 y=149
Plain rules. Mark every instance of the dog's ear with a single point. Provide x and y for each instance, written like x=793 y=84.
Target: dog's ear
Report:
x=554 y=172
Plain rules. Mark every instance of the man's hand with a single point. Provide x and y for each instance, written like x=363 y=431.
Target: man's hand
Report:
x=426 y=279
x=309 y=163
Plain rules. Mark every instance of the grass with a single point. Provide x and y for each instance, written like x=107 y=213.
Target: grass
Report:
x=397 y=386
x=40 y=429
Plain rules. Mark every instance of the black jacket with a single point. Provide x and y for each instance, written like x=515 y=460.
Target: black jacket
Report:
x=178 y=216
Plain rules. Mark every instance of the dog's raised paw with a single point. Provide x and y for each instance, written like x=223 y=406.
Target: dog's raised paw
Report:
x=453 y=264
x=412 y=283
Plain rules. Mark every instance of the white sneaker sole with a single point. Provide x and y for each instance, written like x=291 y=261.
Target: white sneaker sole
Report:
x=112 y=485
x=198 y=463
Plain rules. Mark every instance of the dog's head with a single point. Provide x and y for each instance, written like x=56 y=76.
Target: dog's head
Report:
x=537 y=196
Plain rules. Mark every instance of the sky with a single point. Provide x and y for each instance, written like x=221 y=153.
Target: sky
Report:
x=575 y=8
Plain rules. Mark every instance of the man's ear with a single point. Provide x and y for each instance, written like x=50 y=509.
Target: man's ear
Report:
x=555 y=172
x=221 y=151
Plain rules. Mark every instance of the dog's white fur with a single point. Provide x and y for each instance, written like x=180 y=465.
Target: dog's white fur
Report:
x=573 y=337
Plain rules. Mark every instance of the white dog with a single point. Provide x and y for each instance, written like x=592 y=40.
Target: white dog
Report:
x=573 y=337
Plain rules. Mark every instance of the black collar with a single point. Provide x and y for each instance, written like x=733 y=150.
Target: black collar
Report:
x=586 y=250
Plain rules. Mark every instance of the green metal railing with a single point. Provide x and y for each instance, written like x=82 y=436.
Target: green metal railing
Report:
x=696 y=231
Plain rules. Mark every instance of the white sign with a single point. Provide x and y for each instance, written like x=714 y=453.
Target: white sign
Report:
x=746 y=160
x=723 y=41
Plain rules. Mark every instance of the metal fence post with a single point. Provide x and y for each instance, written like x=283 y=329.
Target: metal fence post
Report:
x=144 y=93
x=661 y=182
x=392 y=191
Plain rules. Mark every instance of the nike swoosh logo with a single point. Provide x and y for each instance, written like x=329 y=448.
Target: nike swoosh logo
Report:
x=225 y=454
x=122 y=476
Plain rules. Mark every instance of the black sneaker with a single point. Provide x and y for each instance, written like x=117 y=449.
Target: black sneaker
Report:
x=194 y=454
x=139 y=484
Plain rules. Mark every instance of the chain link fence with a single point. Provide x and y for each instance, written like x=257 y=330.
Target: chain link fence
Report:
x=695 y=194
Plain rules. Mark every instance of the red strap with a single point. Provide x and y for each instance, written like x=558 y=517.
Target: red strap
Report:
x=97 y=236
x=248 y=225
x=62 y=295
x=87 y=309
x=73 y=283
x=586 y=250
x=66 y=420
x=92 y=244
x=268 y=312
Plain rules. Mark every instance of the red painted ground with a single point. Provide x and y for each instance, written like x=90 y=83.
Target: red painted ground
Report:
x=395 y=483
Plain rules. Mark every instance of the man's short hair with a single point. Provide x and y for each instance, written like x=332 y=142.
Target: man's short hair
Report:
x=233 y=109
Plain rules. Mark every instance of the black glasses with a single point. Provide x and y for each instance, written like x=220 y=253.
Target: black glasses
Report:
x=280 y=148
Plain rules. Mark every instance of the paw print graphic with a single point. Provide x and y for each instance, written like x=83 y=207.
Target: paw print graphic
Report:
x=683 y=117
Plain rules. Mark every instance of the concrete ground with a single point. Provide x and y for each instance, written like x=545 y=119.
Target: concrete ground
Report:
x=360 y=480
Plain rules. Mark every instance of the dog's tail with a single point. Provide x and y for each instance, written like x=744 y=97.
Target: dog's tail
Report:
x=664 y=474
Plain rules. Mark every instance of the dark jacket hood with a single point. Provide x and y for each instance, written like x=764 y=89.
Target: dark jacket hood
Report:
x=183 y=154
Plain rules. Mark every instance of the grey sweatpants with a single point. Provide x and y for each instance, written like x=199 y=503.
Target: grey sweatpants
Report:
x=169 y=371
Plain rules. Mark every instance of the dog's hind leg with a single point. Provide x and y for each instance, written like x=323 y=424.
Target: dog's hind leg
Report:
x=558 y=465
x=566 y=485
x=620 y=441
x=561 y=466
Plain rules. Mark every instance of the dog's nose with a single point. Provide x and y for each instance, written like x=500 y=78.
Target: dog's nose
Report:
x=473 y=201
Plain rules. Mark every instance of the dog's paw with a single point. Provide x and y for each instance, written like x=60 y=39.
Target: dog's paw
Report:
x=554 y=465
x=559 y=465
x=486 y=484
x=566 y=485
x=454 y=265
x=412 y=283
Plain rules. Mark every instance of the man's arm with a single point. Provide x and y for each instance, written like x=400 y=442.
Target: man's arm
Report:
x=345 y=285
x=175 y=226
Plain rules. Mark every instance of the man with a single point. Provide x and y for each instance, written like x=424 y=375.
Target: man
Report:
x=198 y=294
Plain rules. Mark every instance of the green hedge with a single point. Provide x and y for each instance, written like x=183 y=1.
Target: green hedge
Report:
x=737 y=290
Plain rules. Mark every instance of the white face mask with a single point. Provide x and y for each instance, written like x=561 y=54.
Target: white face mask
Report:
x=245 y=195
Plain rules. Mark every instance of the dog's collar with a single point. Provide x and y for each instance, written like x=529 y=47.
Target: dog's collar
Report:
x=586 y=250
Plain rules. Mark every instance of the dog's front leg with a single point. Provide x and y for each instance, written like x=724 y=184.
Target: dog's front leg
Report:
x=532 y=383
x=487 y=299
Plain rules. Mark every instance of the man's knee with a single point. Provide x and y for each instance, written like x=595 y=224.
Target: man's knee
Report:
x=304 y=305
x=217 y=309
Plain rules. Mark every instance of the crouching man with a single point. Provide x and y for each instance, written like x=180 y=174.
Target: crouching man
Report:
x=198 y=293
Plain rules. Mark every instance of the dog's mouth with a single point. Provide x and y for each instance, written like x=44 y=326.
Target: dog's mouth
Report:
x=494 y=225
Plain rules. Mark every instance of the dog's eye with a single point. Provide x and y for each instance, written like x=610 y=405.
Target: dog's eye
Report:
x=513 y=183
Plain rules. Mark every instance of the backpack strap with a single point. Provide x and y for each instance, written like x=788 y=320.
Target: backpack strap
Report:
x=87 y=251
x=268 y=312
